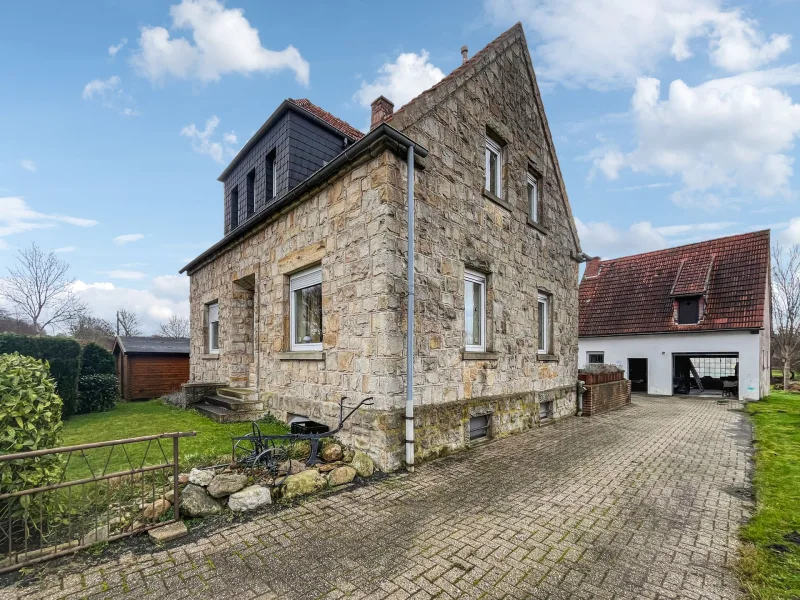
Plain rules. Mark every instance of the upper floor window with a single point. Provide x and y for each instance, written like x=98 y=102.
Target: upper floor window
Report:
x=305 y=317
x=494 y=168
x=212 y=318
x=271 y=175
x=533 y=197
x=235 y=207
x=688 y=311
x=474 y=312
x=251 y=192
x=544 y=324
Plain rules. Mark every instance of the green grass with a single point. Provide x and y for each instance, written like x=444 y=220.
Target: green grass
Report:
x=770 y=562
x=135 y=419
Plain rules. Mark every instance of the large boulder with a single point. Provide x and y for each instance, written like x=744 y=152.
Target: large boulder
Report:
x=362 y=464
x=153 y=511
x=249 y=498
x=195 y=502
x=201 y=477
x=302 y=484
x=226 y=484
x=341 y=475
x=331 y=453
x=291 y=467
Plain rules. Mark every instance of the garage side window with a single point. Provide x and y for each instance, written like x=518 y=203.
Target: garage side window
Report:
x=212 y=318
x=305 y=291
x=596 y=358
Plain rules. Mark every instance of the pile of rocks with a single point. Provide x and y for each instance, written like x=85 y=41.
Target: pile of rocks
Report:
x=207 y=490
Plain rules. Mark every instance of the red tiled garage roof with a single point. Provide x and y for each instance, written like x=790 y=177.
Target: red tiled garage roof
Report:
x=635 y=294
x=330 y=119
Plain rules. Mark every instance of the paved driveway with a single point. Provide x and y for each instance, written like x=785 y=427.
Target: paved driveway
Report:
x=644 y=502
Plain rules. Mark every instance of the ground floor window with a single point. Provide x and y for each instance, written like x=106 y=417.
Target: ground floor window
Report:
x=305 y=320
x=595 y=358
x=212 y=318
x=474 y=311
x=544 y=324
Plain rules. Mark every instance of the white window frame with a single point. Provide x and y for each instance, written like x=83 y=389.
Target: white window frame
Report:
x=211 y=349
x=544 y=348
x=299 y=281
x=533 y=203
x=494 y=148
x=594 y=352
x=479 y=278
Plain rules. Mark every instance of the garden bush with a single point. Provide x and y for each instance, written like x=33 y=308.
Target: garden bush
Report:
x=30 y=419
x=96 y=360
x=62 y=354
x=97 y=393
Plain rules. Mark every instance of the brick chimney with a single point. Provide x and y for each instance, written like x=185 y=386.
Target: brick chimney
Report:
x=382 y=107
x=464 y=54
x=592 y=267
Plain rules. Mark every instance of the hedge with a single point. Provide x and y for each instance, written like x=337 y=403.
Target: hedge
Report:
x=62 y=354
x=30 y=419
x=96 y=360
x=97 y=393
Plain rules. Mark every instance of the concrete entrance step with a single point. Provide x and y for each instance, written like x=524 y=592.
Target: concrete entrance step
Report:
x=235 y=404
x=221 y=414
x=246 y=394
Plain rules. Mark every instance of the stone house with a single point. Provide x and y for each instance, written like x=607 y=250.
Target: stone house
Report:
x=304 y=300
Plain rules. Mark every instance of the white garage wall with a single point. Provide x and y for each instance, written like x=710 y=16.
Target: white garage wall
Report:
x=658 y=350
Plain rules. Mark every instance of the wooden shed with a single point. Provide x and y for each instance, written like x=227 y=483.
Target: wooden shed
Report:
x=149 y=367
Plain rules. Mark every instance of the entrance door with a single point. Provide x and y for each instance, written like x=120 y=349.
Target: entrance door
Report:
x=637 y=373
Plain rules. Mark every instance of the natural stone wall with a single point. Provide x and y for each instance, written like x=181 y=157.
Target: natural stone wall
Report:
x=603 y=397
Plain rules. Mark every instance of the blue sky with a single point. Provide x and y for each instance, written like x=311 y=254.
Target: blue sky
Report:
x=674 y=120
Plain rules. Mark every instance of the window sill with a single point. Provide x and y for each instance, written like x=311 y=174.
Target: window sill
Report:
x=301 y=355
x=210 y=356
x=547 y=358
x=496 y=199
x=538 y=226
x=469 y=355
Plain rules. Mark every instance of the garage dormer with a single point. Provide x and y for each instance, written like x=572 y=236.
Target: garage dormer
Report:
x=690 y=288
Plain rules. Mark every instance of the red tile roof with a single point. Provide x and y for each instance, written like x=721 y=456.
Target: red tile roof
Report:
x=635 y=294
x=330 y=119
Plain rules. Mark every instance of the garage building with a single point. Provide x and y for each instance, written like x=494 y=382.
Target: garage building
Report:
x=692 y=320
x=149 y=367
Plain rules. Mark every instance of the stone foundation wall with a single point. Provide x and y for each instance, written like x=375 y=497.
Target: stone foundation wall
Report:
x=194 y=391
x=603 y=397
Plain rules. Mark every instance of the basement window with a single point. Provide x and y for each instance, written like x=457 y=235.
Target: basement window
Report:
x=479 y=427
x=688 y=311
x=545 y=410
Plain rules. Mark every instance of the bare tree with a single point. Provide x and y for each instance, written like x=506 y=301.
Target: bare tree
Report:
x=92 y=329
x=175 y=327
x=40 y=289
x=128 y=323
x=786 y=307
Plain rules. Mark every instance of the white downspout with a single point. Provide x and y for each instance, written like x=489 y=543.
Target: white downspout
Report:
x=410 y=320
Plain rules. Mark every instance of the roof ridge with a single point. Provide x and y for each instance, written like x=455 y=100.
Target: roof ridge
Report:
x=683 y=246
x=331 y=119
x=469 y=62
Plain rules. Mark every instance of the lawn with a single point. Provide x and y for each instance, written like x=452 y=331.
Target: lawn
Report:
x=770 y=561
x=134 y=419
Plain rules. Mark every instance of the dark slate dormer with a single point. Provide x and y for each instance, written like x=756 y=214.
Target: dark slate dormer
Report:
x=297 y=140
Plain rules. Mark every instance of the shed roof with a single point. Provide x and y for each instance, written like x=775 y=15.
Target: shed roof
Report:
x=635 y=294
x=152 y=345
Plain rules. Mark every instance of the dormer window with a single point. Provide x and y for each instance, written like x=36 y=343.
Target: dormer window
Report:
x=689 y=310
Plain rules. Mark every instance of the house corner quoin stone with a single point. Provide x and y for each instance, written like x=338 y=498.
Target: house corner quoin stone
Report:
x=353 y=225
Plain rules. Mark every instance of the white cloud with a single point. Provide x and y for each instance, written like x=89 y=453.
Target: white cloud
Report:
x=111 y=95
x=720 y=135
x=28 y=165
x=65 y=249
x=125 y=274
x=606 y=240
x=171 y=286
x=223 y=41
x=608 y=43
x=791 y=235
x=104 y=298
x=113 y=49
x=402 y=80
x=128 y=238
x=16 y=217
x=203 y=142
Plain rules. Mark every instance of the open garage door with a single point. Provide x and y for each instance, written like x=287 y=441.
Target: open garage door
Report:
x=706 y=374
